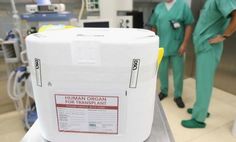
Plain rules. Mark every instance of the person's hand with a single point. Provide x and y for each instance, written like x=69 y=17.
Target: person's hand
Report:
x=154 y=29
x=217 y=39
x=182 y=49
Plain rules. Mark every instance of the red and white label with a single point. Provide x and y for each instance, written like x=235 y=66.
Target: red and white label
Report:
x=87 y=114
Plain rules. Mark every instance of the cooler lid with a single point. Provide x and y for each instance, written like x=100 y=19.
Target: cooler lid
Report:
x=94 y=34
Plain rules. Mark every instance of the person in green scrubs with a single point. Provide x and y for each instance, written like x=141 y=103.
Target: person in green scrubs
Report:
x=172 y=20
x=217 y=22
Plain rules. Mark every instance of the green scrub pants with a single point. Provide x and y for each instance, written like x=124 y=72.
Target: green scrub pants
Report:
x=206 y=65
x=178 y=72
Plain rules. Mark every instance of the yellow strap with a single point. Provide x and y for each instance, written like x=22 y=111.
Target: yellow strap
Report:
x=53 y=27
x=160 y=55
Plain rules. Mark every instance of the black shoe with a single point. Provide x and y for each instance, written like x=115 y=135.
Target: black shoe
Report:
x=190 y=111
x=179 y=102
x=162 y=96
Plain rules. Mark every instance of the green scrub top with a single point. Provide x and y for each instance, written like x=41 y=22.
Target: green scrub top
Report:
x=213 y=21
x=171 y=39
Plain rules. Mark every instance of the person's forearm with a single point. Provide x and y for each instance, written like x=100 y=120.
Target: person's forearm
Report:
x=232 y=26
x=188 y=34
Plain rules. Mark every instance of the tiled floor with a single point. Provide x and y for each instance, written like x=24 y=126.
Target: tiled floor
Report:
x=11 y=127
x=219 y=127
x=6 y=104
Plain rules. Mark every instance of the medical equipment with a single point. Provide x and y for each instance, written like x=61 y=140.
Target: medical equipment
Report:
x=11 y=48
x=99 y=85
x=47 y=17
x=17 y=25
x=15 y=86
x=137 y=19
x=37 y=20
x=11 y=51
x=32 y=8
x=18 y=87
x=125 y=21
x=92 y=5
x=95 y=23
x=40 y=15
x=81 y=12
x=109 y=10
x=45 y=13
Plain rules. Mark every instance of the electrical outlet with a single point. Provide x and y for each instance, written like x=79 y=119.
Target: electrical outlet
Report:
x=125 y=21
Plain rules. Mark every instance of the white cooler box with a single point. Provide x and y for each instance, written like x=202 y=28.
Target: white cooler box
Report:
x=94 y=85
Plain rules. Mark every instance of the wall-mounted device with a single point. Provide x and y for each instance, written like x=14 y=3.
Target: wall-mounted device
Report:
x=125 y=21
x=137 y=19
x=133 y=19
x=95 y=23
x=33 y=8
x=92 y=5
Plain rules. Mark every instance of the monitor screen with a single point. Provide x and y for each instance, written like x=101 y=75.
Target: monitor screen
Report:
x=43 y=8
x=103 y=24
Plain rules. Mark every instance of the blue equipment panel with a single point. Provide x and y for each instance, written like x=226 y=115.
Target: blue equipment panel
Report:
x=44 y=17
